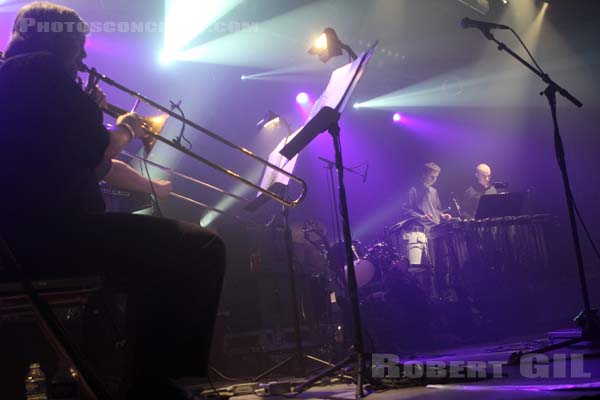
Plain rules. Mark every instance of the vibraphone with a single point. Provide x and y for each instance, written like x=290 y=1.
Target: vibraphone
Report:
x=471 y=253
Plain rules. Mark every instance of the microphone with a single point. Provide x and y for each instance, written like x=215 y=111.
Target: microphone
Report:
x=366 y=172
x=481 y=25
x=175 y=105
x=500 y=185
x=456 y=205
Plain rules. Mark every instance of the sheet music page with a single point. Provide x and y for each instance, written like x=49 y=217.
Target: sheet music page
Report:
x=271 y=176
x=342 y=81
x=341 y=84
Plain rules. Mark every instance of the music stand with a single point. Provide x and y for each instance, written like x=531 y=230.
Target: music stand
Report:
x=324 y=117
x=500 y=205
x=278 y=183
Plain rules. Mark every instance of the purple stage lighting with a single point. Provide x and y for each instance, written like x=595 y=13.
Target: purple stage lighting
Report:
x=302 y=98
x=397 y=117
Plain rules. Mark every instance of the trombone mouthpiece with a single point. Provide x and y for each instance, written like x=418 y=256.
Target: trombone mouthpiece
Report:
x=83 y=68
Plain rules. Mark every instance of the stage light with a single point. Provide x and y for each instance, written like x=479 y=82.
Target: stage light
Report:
x=269 y=120
x=243 y=77
x=397 y=117
x=165 y=58
x=302 y=98
x=328 y=45
x=321 y=43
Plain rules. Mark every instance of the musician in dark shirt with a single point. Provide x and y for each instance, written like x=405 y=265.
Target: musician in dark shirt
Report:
x=471 y=197
x=53 y=151
x=422 y=206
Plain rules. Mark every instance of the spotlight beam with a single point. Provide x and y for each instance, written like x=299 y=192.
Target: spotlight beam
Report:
x=282 y=72
x=186 y=19
x=249 y=47
x=437 y=92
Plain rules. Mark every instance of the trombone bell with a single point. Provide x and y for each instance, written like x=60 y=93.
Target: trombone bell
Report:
x=153 y=125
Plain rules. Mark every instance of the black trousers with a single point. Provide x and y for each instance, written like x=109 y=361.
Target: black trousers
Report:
x=172 y=272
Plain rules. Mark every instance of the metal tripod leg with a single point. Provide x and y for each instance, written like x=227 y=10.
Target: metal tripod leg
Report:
x=273 y=368
x=309 y=383
x=589 y=333
x=328 y=364
x=515 y=357
x=291 y=358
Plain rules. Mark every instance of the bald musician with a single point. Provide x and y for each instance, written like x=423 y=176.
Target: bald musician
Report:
x=471 y=197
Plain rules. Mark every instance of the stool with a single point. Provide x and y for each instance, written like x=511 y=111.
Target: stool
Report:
x=71 y=292
x=21 y=297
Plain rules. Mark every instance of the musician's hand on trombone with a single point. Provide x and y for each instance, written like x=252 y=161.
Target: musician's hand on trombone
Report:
x=426 y=218
x=133 y=121
x=446 y=216
x=97 y=95
x=162 y=187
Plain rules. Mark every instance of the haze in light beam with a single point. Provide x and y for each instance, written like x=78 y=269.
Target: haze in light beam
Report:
x=532 y=36
x=276 y=43
x=282 y=73
x=186 y=19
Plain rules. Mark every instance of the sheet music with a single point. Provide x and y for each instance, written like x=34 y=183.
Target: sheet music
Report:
x=271 y=176
x=341 y=84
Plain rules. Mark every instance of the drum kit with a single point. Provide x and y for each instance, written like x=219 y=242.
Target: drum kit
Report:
x=378 y=266
x=394 y=295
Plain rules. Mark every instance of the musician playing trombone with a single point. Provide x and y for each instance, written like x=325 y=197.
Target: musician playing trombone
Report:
x=54 y=149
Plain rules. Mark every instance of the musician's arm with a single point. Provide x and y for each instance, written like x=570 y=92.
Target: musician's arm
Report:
x=127 y=128
x=119 y=137
x=410 y=209
x=124 y=177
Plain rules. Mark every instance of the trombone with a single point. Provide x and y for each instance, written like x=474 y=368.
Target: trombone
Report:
x=152 y=126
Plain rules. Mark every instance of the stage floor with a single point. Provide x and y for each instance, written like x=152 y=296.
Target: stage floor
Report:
x=569 y=373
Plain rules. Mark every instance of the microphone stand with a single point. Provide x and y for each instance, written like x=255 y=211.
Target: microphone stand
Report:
x=333 y=203
x=456 y=205
x=333 y=198
x=587 y=318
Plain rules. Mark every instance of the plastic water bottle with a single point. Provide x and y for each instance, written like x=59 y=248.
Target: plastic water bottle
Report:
x=35 y=383
x=64 y=384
